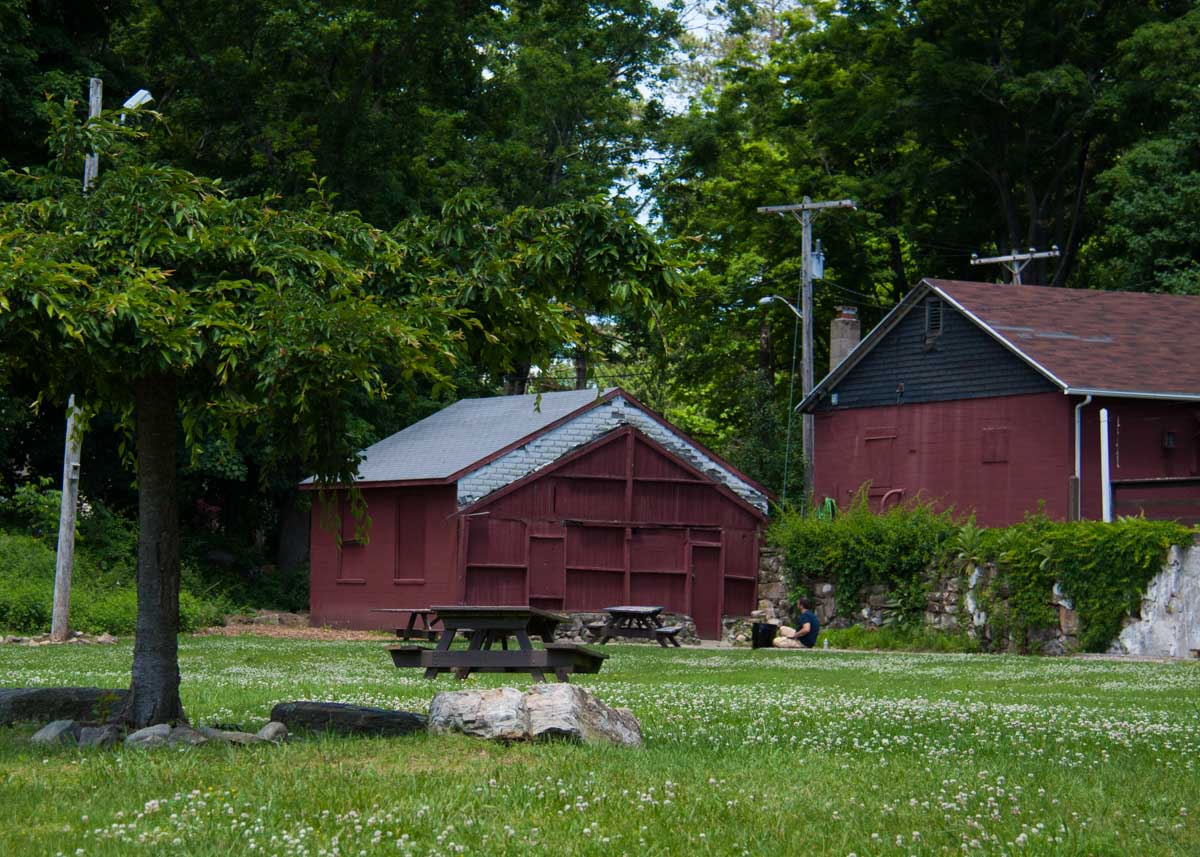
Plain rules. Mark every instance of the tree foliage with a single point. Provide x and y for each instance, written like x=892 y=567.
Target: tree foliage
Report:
x=958 y=127
x=161 y=296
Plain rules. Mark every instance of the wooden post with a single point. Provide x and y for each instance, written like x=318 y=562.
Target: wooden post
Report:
x=60 y=621
x=91 y=164
x=65 y=560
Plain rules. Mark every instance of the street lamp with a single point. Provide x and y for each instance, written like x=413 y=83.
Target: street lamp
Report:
x=133 y=102
x=790 y=305
x=787 y=445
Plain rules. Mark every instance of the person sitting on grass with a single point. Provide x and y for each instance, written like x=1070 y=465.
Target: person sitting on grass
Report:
x=805 y=632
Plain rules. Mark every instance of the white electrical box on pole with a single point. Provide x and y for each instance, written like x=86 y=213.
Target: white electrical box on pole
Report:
x=60 y=619
x=804 y=211
x=1015 y=262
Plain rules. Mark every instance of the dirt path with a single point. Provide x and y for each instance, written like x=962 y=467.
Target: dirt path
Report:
x=290 y=626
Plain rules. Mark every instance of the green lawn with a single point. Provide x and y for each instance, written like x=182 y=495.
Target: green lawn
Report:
x=770 y=752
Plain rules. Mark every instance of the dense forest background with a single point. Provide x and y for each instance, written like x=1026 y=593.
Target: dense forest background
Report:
x=581 y=179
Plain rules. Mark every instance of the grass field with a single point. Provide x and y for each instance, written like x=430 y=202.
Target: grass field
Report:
x=769 y=752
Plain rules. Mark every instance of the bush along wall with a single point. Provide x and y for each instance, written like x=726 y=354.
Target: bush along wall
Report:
x=103 y=595
x=1040 y=585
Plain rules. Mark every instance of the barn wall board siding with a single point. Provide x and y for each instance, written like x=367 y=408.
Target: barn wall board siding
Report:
x=937 y=451
x=408 y=559
x=585 y=428
x=1151 y=474
x=961 y=362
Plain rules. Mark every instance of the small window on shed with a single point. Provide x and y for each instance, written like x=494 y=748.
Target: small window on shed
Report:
x=933 y=320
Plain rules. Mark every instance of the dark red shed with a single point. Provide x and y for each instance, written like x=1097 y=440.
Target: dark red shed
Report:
x=988 y=398
x=568 y=501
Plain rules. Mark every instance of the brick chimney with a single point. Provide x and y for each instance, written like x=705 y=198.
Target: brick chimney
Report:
x=844 y=333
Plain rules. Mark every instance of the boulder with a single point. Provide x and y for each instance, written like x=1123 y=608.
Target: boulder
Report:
x=229 y=736
x=99 y=736
x=44 y=704
x=346 y=719
x=497 y=713
x=58 y=732
x=274 y=731
x=186 y=735
x=545 y=711
x=151 y=736
x=569 y=711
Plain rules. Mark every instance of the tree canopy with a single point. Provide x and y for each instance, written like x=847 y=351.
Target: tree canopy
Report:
x=524 y=185
x=160 y=296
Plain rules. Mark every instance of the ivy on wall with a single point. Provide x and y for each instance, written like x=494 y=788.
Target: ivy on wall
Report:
x=1104 y=569
x=857 y=549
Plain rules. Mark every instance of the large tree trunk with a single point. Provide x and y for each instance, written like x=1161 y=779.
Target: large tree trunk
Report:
x=154 y=694
x=766 y=350
x=294 y=518
x=581 y=367
x=516 y=381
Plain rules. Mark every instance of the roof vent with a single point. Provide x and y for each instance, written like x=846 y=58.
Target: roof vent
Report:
x=933 y=321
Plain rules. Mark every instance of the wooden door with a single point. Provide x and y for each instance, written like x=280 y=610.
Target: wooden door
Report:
x=704 y=564
x=547 y=572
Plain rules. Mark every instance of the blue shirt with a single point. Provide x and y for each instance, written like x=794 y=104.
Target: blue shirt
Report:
x=814 y=626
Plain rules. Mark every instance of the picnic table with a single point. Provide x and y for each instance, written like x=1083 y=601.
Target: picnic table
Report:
x=636 y=622
x=428 y=618
x=484 y=627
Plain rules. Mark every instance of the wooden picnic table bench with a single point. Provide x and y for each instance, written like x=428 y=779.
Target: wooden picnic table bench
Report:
x=427 y=617
x=637 y=623
x=484 y=627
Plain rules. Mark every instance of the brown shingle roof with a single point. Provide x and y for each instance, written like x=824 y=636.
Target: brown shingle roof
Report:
x=1089 y=341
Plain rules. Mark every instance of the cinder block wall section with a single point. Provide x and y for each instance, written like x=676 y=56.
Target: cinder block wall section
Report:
x=585 y=428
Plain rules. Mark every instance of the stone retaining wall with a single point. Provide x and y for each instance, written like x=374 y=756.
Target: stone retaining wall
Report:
x=1168 y=623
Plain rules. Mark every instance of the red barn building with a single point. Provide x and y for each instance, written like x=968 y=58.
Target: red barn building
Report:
x=988 y=398
x=569 y=501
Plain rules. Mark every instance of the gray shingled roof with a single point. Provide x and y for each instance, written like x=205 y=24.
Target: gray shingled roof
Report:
x=466 y=432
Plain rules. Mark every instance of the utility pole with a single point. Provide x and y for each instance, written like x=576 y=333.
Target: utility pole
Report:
x=60 y=622
x=1015 y=262
x=804 y=212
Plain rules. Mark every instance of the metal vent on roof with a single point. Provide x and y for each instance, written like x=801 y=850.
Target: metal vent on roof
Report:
x=933 y=321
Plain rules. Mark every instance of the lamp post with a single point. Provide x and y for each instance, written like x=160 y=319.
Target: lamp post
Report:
x=787 y=445
x=64 y=560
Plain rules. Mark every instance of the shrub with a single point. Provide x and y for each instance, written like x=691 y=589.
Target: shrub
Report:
x=1103 y=568
x=114 y=611
x=34 y=507
x=26 y=581
x=97 y=604
x=906 y=638
x=859 y=548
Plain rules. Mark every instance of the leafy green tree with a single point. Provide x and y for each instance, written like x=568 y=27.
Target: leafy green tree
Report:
x=535 y=277
x=956 y=125
x=163 y=297
x=402 y=103
x=1147 y=204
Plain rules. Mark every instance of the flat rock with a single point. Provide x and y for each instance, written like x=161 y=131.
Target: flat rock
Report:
x=106 y=639
x=544 y=712
x=186 y=735
x=497 y=713
x=229 y=736
x=151 y=736
x=45 y=704
x=58 y=732
x=274 y=732
x=346 y=719
x=99 y=736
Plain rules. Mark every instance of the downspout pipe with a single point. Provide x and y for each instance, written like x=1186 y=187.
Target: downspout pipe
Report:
x=1105 y=474
x=1079 y=444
